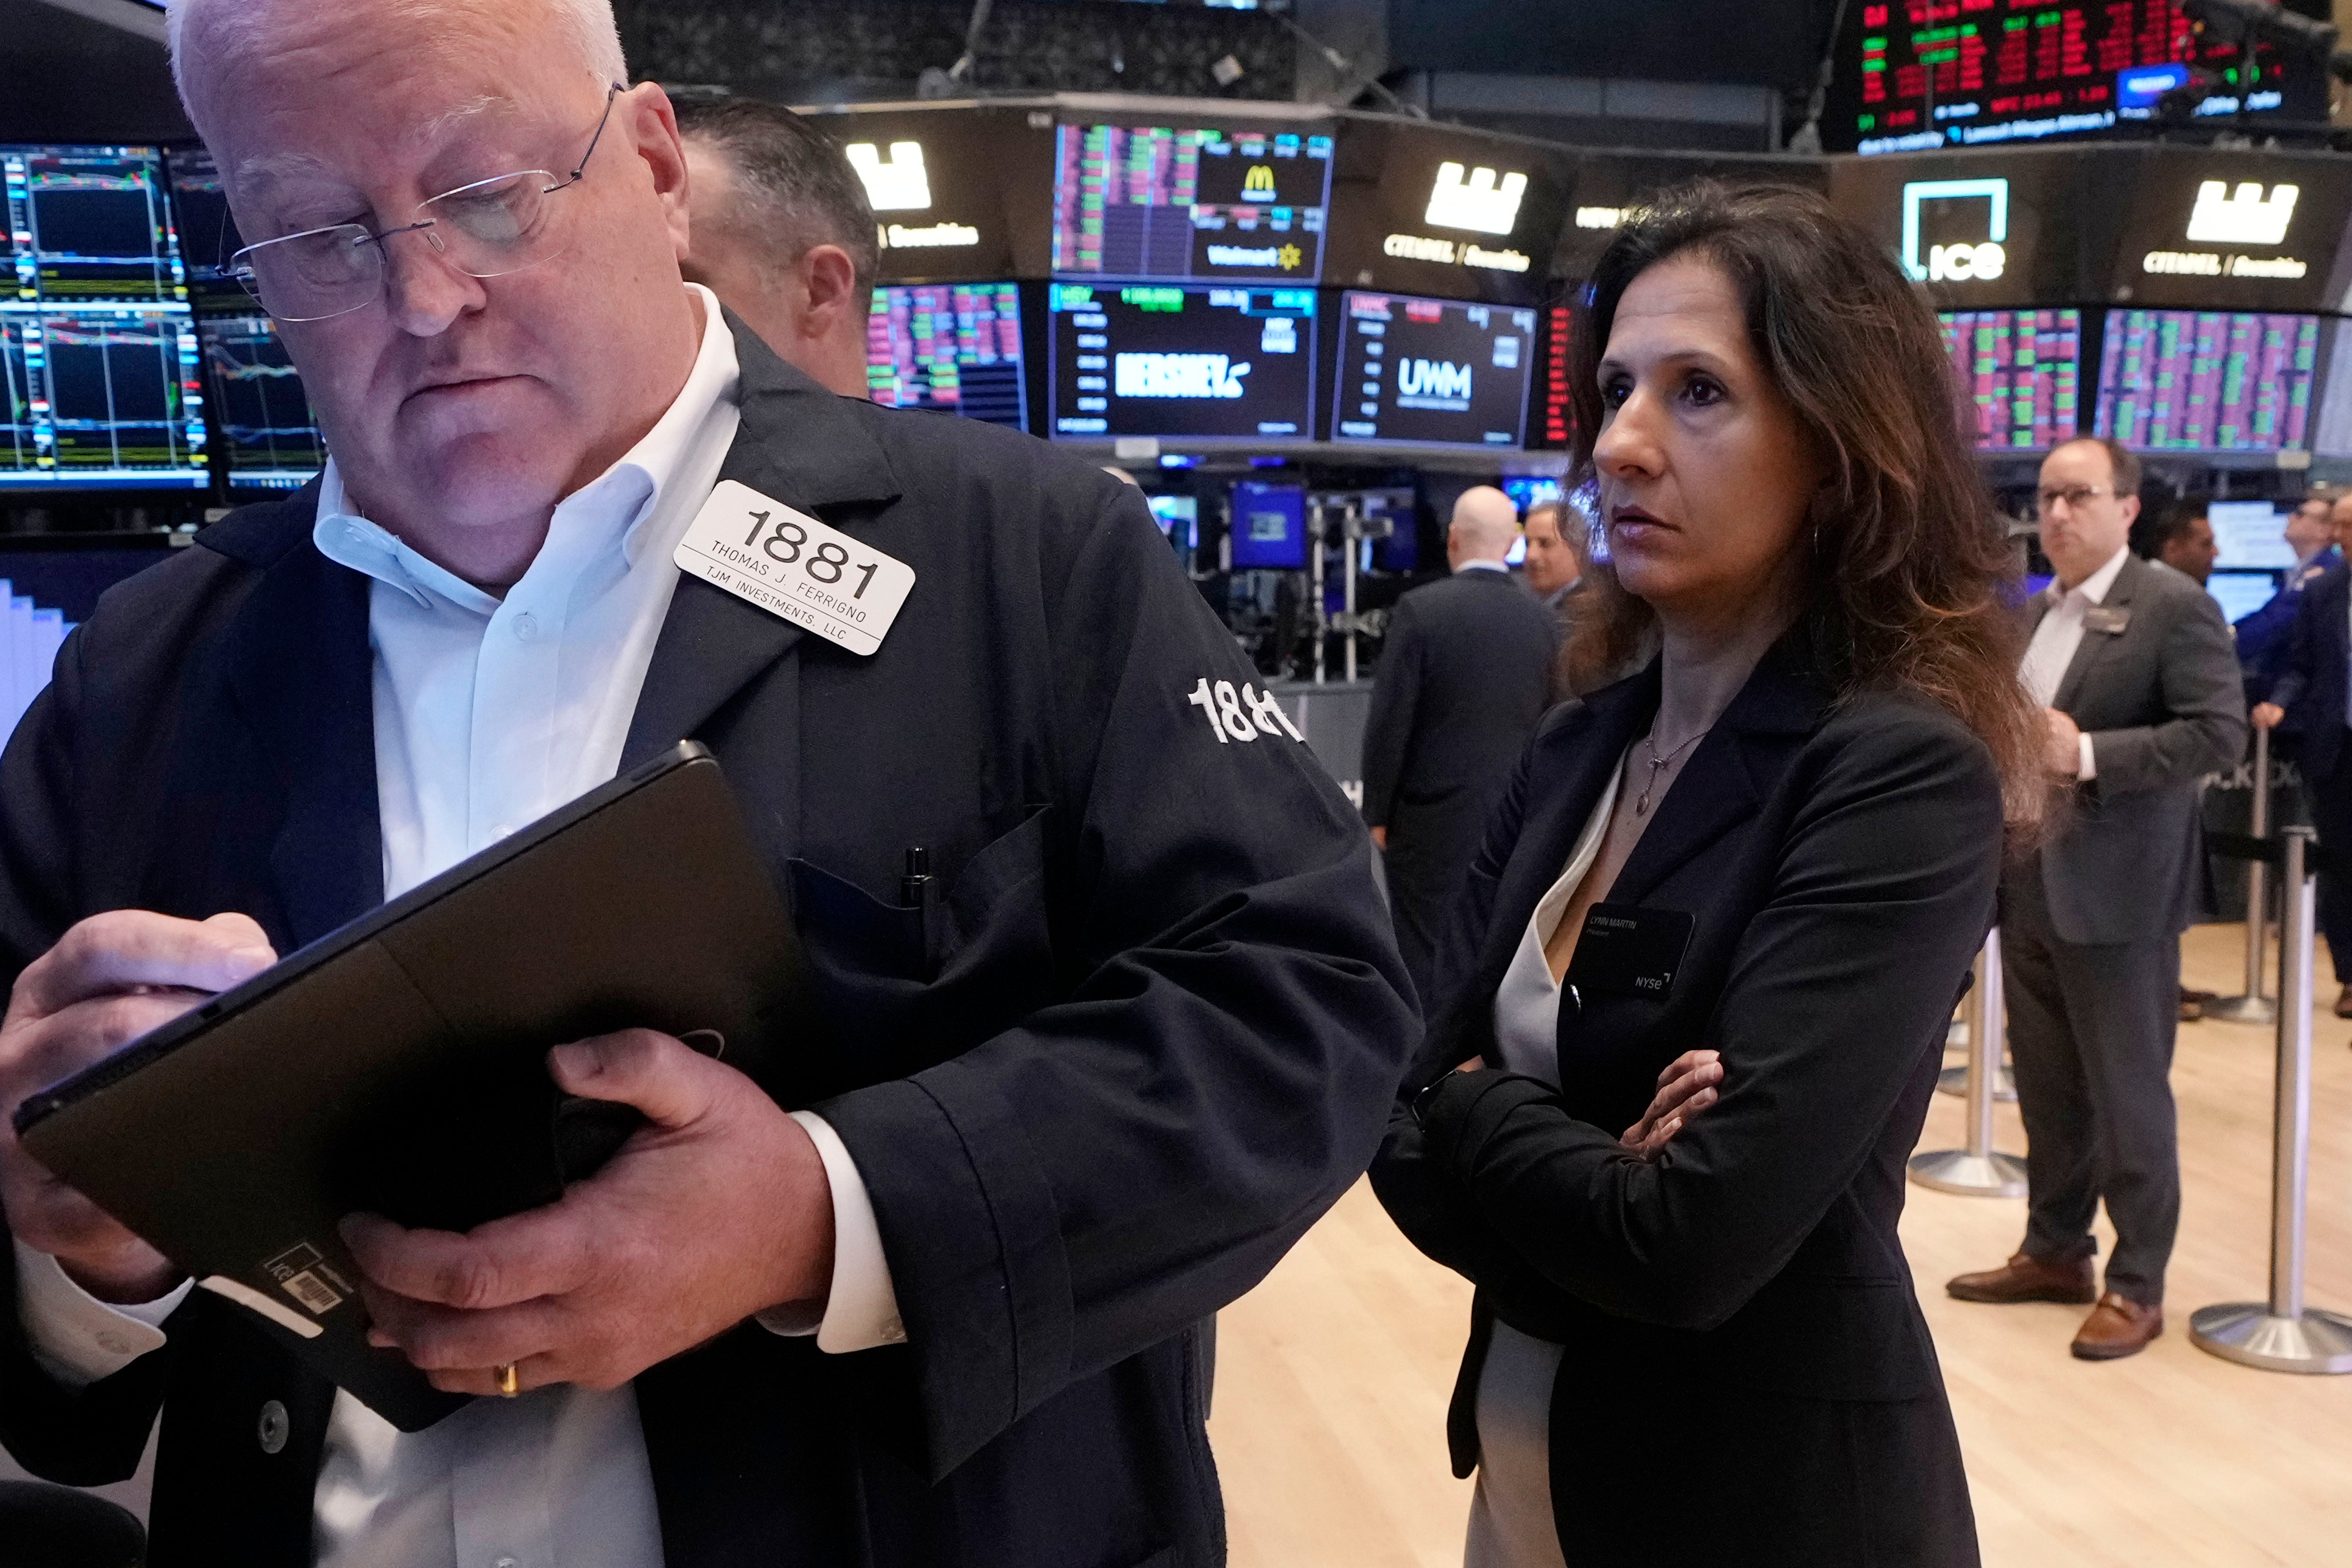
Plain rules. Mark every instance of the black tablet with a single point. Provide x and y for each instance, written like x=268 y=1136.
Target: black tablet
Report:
x=398 y=1064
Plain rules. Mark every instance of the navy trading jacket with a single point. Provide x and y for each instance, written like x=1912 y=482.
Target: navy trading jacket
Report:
x=1148 y=1033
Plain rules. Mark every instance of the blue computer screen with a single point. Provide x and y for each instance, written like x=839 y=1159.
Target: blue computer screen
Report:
x=1269 y=526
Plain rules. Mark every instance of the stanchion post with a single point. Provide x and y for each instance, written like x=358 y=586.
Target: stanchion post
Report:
x=1978 y=1170
x=2283 y=1334
x=2252 y=1007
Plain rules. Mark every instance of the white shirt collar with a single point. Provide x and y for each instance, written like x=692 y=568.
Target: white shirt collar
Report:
x=608 y=511
x=1480 y=566
x=2093 y=588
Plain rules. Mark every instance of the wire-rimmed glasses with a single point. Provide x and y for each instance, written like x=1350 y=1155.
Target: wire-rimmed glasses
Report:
x=486 y=229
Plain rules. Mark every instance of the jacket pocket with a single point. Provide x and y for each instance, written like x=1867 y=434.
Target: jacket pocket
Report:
x=903 y=987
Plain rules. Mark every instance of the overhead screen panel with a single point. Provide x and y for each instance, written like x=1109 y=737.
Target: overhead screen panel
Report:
x=1983 y=231
x=957 y=193
x=2020 y=371
x=100 y=383
x=1190 y=202
x=2238 y=231
x=1196 y=362
x=951 y=347
x=1913 y=75
x=1438 y=211
x=1437 y=372
x=2184 y=381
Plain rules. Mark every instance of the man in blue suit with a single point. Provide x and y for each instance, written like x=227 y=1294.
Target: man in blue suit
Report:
x=2310 y=706
x=2264 y=636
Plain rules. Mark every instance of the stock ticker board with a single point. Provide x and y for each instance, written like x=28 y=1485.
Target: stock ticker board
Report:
x=1190 y=202
x=1918 y=74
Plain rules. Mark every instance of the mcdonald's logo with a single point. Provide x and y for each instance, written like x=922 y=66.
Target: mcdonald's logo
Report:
x=1257 y=185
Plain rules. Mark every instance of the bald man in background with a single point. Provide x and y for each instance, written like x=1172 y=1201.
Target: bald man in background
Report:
x=1463 y=678
x=780 y=230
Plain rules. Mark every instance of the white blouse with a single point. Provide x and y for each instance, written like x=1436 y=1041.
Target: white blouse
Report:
x=1511 y=1523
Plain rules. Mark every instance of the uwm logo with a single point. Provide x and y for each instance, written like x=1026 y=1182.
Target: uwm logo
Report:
x=1258 y=183
x=1481 y=203
x=1433 y=378
x=2246 y=219
x=901 y=185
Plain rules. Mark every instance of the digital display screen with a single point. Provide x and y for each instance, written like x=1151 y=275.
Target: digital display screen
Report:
x=2241 y=593
x=1918 y=74
x=266 y=436
x=1555 y=416
x=1432 y=372
x=1161 y=202
x=953 y=347
x=2250 y=535
x=2020 y=369
x=88 y=226
x=44 y=593
x=208 y=236
x=1179 y=520
x=956 y=191
x=2207 y=381
x=1983 y=231
x=2230 y=231
x=1269 y=527
x=100 y=398
x=1198 y=362
x=1423 y=209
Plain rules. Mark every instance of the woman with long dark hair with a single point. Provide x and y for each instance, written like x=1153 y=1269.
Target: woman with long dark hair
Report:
x=1749 y=878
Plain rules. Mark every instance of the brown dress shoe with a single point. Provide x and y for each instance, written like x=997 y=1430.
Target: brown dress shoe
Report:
x=2117 y=1327
x=2025 y=1277
x=2344 y=1002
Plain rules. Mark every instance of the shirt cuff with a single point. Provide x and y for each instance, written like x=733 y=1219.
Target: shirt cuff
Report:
x=2088 y=768
x=77 y=1338
x=863 y=1310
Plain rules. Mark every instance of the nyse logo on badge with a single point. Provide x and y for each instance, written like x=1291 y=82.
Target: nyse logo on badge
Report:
x=1240 y=716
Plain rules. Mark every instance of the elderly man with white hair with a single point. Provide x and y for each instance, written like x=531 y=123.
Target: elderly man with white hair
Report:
x=1465 y=673
x=932 y=1291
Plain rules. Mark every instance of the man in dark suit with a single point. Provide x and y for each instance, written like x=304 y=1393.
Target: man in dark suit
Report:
x=2309 y=707
x=2264 y=635
x=1465 y=673
x=928 y=1292
x=2134 y=670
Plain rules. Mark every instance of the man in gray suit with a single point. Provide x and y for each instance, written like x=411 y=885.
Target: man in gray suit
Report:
x=2134 y=669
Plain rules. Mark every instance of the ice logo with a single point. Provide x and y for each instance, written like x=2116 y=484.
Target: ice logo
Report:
x=1478 y=204
x=1179 y=376
x=901 y=185
x=2244 y=218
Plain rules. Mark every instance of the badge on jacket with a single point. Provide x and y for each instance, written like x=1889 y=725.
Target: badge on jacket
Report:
x=1627 y=951
x=790 y=564
x=2109 y=618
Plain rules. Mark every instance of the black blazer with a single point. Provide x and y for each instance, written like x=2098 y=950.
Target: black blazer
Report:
x=2312 y=687
x=1463 y=676
x=1748 y=1376
x=1146 y=1033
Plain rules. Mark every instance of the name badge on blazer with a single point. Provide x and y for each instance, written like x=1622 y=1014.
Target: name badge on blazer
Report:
x=1625 y=951
x=2109 y=618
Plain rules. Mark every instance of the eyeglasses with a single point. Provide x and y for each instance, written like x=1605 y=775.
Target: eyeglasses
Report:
x=489 y=228
x=2074 y=496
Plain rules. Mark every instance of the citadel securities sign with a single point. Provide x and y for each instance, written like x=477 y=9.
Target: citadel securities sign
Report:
x=1432 y=209
x=2231 y=230
x=2250 y=218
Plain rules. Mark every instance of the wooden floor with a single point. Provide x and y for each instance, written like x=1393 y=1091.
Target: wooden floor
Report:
x=1333 y=1374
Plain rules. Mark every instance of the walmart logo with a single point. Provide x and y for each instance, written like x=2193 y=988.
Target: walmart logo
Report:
x=2245 y=219
x=1480 y=203
x=898 y=187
